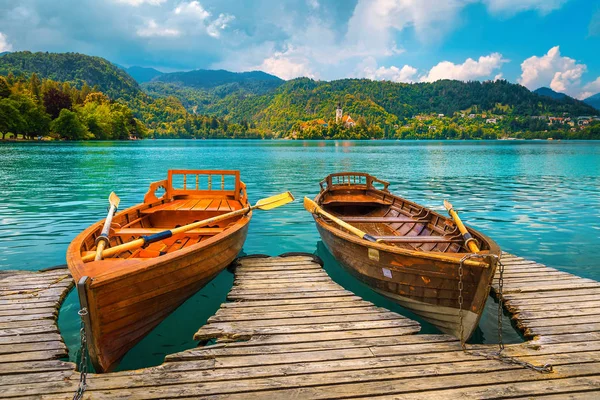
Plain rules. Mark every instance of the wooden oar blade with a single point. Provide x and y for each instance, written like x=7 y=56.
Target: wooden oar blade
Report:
x=447 y=205
x=274 y=201
x=114 y=200
x=310 y=205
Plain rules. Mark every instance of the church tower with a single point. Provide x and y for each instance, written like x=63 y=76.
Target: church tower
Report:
x=338 y=113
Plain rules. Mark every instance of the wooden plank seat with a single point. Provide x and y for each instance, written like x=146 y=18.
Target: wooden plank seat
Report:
x=353 y=199
x=418 y=239
x=385 y=220
x=151 y=231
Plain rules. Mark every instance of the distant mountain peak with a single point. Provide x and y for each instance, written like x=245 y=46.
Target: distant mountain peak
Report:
x=143 y=74
x=210 y=78
x=546 y=91
x=593 y=100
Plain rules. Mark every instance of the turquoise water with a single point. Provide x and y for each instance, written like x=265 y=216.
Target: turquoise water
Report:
x=537 y=199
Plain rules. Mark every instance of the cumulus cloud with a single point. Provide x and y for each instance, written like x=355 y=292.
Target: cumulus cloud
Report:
x=469 y=70
x=515 y=6
x=562 y=74
x=192 y=9
x=137 y=3
x=214 y=28
x=152 y=29
x=372 y=27
x=4 y=45
x=186 y=19
x=590 y=89
x=370 y=70
x=288 y=64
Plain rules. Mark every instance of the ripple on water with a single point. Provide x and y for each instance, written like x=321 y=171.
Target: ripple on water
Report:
x=536 y=199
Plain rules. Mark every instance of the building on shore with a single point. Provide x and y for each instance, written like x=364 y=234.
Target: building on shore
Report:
x=345 y=120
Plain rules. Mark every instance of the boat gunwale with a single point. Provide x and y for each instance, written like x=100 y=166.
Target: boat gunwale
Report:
x=106 y=277
x=436 y=256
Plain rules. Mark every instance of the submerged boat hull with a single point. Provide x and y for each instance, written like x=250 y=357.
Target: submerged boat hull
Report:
x=424 y=282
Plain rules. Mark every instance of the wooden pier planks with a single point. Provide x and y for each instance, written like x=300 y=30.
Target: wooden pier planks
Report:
x=30 y=343
x=290 y=331
x=548 y=305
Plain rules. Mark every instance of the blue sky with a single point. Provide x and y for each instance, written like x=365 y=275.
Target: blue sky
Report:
x=553 y=43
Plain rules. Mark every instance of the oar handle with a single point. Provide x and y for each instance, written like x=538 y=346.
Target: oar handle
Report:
x=469 y=239
x=102 y=240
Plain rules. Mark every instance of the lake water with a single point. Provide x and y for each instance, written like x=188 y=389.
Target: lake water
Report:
x=537 y=199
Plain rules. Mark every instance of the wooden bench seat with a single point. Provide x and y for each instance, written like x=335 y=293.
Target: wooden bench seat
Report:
x=354 y=200
x=151 y=231
x=385 y=220
x=418 y=239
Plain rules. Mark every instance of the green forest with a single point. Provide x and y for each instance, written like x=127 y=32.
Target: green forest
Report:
x=77 y=97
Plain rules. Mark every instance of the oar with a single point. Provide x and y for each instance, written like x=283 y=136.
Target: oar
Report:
x=263 y=204
x=314 y=208
x=102 y=240
x=469 y=240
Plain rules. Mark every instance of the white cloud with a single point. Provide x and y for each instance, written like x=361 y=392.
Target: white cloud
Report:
x=373 y=23
x=152 y=29
x=187 y=19
x=590 y=89
x=498 y=77
x=137 y=3
x=469 y=70
x=288 y=64
x=4 y=45
x=214 y=28
x=192 y=9
x=406 y=74
x=515 y=6
x=314 y=4
x=562 y=74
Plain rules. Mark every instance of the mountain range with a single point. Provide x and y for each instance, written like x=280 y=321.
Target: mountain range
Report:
x=273 y=104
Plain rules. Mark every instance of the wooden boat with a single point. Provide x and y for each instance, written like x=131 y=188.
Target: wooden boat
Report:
x=129 y=294
x=417 y=257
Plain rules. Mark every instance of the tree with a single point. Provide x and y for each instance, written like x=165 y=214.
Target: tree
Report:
x=35 y=87
x=10 y=117
x=55 y=101
x=36 y=120
x=96 y=97
x=68 y=126
x=4 y=88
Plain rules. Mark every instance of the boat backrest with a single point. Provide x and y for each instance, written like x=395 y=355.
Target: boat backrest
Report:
x=223 y=183
x=358 y=180
x=204 y=182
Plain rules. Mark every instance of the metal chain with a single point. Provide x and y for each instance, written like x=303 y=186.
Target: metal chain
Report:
x=500 y=304
x=83 y=360
x=460 y=304
x=546 y=368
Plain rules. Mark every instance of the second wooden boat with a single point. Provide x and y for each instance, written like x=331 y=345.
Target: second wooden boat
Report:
x=128 y=294
x=417 y=259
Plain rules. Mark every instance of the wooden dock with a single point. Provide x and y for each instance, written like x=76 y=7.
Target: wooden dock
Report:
x=289 y=331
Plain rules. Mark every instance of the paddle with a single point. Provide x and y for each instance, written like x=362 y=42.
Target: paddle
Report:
x=469 y=240
x=102 y=240
x=314 y=208
x=263 y=204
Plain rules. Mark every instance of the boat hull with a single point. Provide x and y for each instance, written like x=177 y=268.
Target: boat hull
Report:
x=425 y=286
x=124 y=310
